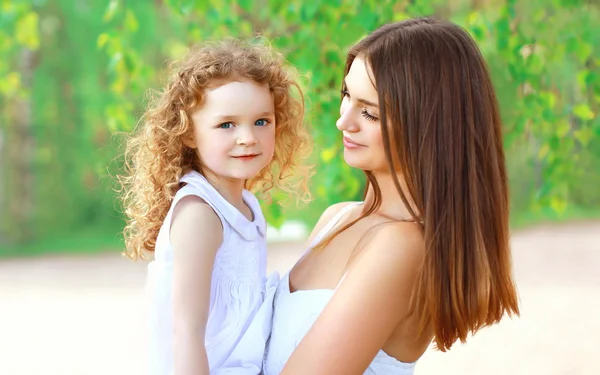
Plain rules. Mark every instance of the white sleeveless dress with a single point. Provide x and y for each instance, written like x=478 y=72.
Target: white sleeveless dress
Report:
x=296 y=312
x=241 y=299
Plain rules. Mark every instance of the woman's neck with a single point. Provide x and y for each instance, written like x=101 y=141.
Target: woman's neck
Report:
x=391 y=203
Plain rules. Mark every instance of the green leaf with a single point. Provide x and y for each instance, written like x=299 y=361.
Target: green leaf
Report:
x=102 y=40
x=549 y=99
x=176 y=50
x=245 y=5
x=515 y=132
x=584 y=112
x=400 y=16
x=472 y=18
x=111 y=10
x=584 y=135
x=129 y=62
x=535 y=64
x=592 y=78
x=131 y=22
x=559 y=205
x=582 y=78
x=11 y=84
x=583 y=51
x=27 y=32
x=114 y=61
x=5 y=41
x=555 y=143
x=328 y=154
x=502 y=33
x=563 y=129
x=321 y=191
x=113 y=126
x=543 y=151
x=479 y=33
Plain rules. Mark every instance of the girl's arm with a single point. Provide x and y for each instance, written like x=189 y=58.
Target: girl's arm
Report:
x=196 y=235
x=366 y=308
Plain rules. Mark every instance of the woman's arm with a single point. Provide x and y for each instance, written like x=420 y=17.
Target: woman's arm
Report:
x=366 y=308
x=196 y=235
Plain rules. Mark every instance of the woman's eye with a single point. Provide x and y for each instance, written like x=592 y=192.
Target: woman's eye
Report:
x=368 y=116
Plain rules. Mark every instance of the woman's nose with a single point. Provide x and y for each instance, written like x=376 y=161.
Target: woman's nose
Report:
x=347 y=120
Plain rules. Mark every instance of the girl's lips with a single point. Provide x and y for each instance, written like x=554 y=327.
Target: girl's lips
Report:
x=246 y=157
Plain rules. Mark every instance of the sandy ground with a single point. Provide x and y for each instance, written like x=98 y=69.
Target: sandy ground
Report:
x=83 y=315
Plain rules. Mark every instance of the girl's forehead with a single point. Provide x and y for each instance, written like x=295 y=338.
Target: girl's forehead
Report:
x=236 y=99
x=219 y=82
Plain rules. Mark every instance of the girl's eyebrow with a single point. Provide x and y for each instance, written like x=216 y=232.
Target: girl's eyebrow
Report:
x=225 y=118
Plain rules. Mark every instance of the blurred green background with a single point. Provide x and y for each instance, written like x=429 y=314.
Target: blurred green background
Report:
x=74 y=74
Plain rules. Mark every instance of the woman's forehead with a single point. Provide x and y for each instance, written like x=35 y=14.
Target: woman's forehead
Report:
x=360 y=82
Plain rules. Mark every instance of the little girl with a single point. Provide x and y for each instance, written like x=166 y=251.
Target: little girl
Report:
x=226 y=122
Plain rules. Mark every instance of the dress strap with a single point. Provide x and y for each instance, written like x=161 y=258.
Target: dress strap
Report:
x=332 y=223
x=249 y=230
x=187 y=190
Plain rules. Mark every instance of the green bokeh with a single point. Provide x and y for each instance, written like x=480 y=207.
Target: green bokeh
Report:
x=82 y=70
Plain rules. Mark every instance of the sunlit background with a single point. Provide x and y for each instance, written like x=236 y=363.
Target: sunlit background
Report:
x=75 y=74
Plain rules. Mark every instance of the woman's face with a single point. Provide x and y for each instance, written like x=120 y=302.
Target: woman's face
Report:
x=359 y=120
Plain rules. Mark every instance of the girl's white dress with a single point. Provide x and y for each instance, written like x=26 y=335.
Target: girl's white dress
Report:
x=241 y=300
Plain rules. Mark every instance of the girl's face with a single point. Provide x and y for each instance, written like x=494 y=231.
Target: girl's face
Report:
x=234 y=129
x=359 y=120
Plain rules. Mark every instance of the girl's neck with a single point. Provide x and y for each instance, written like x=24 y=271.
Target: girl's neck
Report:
x=229 y=188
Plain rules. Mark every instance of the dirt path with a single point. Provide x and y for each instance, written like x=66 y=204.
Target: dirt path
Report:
x=83 y=315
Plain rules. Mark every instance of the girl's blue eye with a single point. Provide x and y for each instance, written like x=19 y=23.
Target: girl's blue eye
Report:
x=262 y=122
x=225 y=125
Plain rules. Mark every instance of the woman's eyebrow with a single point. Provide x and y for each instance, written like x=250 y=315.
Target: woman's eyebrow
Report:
x=366 y=102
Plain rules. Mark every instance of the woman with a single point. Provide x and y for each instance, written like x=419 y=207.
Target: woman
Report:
x=426 y=255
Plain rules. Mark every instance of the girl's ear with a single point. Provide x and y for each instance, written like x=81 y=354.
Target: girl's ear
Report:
x=189 y=140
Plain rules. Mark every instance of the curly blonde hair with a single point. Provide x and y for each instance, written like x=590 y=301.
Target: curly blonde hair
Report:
x=156 y=156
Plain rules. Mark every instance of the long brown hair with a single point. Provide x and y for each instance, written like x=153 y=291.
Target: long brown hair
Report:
x=156 y=155
x=441 y=127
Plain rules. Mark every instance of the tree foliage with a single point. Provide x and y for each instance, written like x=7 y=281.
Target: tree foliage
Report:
x=93 y=63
